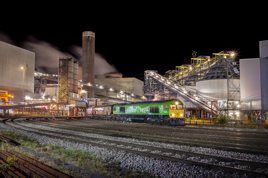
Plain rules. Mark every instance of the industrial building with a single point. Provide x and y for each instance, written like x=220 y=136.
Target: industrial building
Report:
x=74 y=86
x=207 y=86
x=17 y=71
x=218 y=84
x=254 y=82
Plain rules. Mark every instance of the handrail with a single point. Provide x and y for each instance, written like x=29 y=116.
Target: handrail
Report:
x=196 y=66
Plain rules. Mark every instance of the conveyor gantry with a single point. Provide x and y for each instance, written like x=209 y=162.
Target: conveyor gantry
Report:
x=189 y=95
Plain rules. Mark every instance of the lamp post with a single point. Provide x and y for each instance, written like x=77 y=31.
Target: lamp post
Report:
x=23 y=68
x=23 y=73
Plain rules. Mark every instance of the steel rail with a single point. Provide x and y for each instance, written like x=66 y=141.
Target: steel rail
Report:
x=191 y=142
x=212 y=166
x=252 y=163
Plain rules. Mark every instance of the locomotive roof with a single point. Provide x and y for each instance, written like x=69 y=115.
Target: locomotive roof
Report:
x=146 y=102
x=103 y=106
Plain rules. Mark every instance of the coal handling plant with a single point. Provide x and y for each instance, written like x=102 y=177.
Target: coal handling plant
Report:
x=221 y=84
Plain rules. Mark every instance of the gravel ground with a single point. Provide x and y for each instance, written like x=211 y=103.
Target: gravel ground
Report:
x=201 y=150
x=132 y=161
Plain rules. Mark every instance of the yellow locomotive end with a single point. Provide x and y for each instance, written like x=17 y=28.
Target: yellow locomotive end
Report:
x=176 y=111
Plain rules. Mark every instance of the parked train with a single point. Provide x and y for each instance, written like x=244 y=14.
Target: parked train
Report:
x=169 y=112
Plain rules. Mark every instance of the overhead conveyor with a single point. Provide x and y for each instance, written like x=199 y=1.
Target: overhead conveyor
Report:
x=183 y=83
x=184 y=92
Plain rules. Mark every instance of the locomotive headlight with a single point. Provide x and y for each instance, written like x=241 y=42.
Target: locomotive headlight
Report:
x=172 y=115
x=176 y=103
x=181 y=115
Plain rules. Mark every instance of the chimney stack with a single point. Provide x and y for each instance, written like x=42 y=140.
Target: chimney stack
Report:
x=88 y=61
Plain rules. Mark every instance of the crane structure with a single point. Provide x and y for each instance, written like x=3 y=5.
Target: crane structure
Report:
x=5 y=97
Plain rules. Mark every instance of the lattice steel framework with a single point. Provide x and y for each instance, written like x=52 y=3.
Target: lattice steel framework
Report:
x=221 y=66
x=63 y=90
x=155 y=84
x=153 y=88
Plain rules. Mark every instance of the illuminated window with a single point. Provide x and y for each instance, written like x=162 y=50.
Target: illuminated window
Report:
x=180 y=106
x=173 y=107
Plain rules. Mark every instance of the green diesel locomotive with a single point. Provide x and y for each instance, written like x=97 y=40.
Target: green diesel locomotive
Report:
x=170 y=112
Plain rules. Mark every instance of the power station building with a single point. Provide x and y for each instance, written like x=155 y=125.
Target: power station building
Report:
x=217 y=84
x=17 y=71
x=254 y=80
x=77 y=86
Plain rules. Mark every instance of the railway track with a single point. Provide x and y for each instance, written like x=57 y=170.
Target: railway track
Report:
x=253 y=149
x=197 y=131
x=167 y=154
x=178 y=131
x=26 y=167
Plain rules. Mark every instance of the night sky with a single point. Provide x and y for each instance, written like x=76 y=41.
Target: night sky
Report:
x=138 y=37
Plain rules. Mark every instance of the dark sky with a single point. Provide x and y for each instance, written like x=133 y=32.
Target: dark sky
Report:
x=139 y=37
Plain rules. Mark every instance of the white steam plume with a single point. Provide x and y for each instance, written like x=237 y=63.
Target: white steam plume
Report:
x=101 y=65
x=47 y=55
x=5 y=38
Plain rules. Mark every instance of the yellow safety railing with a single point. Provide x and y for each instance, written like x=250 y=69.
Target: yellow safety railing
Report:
x=216 y=54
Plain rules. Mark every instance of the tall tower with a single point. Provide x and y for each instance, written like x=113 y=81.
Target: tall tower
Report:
x=88 y=61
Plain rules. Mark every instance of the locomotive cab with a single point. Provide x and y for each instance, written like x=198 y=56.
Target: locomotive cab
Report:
x=176 y=113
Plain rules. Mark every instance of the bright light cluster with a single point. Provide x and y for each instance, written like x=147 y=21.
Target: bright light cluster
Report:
x=41 y=74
